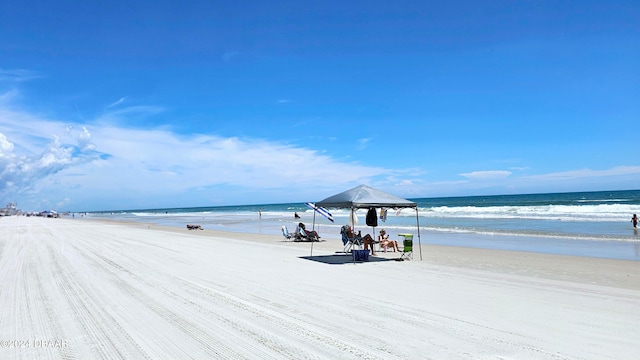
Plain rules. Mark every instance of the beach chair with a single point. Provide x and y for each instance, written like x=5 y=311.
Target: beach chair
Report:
x=348 y=242
x=301 y=235
x=407 y=247
x=379 y=242
x=287 y=235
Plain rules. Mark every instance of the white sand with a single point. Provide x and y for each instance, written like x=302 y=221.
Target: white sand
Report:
x=77 y=289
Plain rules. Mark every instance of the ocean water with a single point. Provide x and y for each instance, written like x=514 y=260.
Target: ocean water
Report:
x=593 y=224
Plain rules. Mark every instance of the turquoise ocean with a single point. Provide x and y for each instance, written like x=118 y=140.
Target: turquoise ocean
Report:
x=591 y=224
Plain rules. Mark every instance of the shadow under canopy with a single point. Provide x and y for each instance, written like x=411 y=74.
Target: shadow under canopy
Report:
x=340 y=259
x=366 y=197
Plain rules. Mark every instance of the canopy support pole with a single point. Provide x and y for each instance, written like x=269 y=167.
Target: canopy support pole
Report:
x=313 y=227
x=419 y=242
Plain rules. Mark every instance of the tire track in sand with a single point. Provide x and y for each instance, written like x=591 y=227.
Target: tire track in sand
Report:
x=257 y=342
x=107 y=337
x=213 y=347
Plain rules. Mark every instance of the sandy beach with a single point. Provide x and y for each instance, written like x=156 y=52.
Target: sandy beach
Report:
x=80 y=289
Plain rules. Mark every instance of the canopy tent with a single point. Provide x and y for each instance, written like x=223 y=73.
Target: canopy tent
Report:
x=364 y=197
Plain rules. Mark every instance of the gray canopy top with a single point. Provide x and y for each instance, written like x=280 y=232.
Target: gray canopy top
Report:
x=364 y=196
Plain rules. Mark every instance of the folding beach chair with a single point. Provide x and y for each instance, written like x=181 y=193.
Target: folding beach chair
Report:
x=302 y=235
x=348 y=242
x=407 y=247
x=287 y=235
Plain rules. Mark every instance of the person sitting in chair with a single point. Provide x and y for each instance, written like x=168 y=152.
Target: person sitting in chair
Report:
x=310 y=234
x=367 y=240
x=383 y=238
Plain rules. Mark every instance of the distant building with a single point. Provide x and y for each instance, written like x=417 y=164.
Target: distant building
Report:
x=10 y=209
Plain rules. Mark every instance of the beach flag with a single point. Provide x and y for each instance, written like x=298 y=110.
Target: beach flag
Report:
x=320 y=210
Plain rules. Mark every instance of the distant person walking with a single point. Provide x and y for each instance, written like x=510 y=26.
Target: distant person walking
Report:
x=296 y=215
x=634 y=220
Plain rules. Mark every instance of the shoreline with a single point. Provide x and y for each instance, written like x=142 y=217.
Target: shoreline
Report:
x=614 y=272
x=593 y=246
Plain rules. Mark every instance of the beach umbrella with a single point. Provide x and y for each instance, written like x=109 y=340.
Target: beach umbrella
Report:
x=320 y=210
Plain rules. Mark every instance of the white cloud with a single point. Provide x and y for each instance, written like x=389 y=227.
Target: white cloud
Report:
x=487 y=175
x=587 y=173
x=159 y=156
x=21 y=172
x=96 y=165
x=107 y=164
x=405 y=183
x=5 y=146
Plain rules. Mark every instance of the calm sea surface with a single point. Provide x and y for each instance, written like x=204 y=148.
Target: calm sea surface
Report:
x=594 y=224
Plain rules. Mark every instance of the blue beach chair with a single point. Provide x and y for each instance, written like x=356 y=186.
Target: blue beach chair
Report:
x=348 y=242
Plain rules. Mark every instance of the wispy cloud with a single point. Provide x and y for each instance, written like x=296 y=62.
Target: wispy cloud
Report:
x=487 y=175
x=405 y=183
x=133 y=110
x=230 y=56
x=18 y=75
x=116 y=103
x=128 y=115
x=587 y=173
x=363 y=143
x=8 y=96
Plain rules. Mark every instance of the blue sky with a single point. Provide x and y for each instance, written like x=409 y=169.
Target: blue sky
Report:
x=144 y=104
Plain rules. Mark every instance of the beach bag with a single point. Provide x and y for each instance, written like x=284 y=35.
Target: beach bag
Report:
x=372 y=217
x=360 y=255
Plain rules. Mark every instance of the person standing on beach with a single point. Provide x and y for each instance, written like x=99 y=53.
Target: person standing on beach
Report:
x=634 y=220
